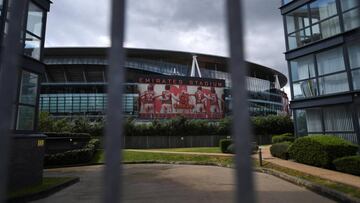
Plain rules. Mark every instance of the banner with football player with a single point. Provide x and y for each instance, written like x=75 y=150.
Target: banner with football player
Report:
x=168 y=97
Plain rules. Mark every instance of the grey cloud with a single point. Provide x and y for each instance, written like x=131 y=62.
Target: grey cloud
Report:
x=185 y=25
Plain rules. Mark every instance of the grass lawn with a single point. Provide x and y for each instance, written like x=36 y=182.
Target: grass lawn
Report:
x=47 y=183
x=162 y=157
x=194 y=149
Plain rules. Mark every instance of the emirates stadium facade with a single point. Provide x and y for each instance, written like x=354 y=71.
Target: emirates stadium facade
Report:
x=159 y=84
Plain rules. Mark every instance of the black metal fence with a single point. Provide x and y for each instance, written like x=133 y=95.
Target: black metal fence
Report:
x=114 y=131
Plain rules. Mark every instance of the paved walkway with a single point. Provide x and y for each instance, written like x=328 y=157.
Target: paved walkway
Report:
x=176 y=183
x=315 y=171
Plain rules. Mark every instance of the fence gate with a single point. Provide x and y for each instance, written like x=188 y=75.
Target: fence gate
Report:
x=116 y=74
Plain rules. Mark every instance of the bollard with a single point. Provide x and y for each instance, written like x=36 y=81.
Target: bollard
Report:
x=260 y=157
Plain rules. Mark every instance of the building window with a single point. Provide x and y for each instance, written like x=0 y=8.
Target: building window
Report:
x=333 y=84
x=312 y=22
x=27 y=101
x=308 y=121
x=351 y=13
x=354 y=59
x=330 y=61
x=302 y=68
x=338 y=119
x=34 y=29
x=305 y=89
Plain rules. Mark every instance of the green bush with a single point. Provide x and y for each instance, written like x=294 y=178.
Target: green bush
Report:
x=76 y=156
x=224 y=144
x=231 y=149
x=320 y=150
x=287 y=137
x=349 y=164
x=76 y=125
x=272 y=125
x=280 y=150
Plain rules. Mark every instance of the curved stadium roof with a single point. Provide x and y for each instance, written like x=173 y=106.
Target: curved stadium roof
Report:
x=176 y=57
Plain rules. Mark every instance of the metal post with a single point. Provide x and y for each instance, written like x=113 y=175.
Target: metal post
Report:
x=9 y=69
x=260 y=157
x=114 y=125
x=241 y=120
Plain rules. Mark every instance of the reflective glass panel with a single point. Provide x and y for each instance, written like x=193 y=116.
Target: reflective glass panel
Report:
x=348 y=4
x=333 y=84
x=322 y=9
x=26 y=118
x=297 y=19
x=351 y=19
x=356 y=79
x=301 y=126
x=313 y=120
x=338 y=118
x=326 y=29
x=29 y=85
x=330 y=61
x=35 y=19
x=354 y=55
x=299 y=38
x=305 y=89
x=302 y=68
x=32 y=46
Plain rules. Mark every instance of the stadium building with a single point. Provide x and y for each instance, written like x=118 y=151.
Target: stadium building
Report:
x=323 y=54
x=159 y=84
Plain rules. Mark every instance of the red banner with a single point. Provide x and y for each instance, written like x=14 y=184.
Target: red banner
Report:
x=171 y=99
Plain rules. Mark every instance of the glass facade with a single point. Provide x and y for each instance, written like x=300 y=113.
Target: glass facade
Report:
x=319 y=20
x=70 y=72
x=34 y=29
x=27 y=101
x=326 y=72
x=354 y=61
x=91 y=104
x=331 y=120
x=321 y=73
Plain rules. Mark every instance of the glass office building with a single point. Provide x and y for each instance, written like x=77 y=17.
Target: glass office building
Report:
x=75 y=80
x=323 y=54
x=27 y=151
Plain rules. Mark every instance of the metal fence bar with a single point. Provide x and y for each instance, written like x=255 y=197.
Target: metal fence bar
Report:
x=10 y=60
x=241 y=121
x=114 y=126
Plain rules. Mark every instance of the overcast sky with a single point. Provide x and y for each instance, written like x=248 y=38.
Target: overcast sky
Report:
x=184 y=25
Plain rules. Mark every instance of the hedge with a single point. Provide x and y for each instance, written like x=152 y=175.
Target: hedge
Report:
x=180 y=126
x=76 y=156
x=320 y=150
x=67 y=134
x=231 y=147
x=280 y=150
x=224 y=145
x=349 y=164
x=287 y=137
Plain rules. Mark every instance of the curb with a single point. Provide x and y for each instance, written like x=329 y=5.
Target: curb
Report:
x=325 y=191
x=44 y=193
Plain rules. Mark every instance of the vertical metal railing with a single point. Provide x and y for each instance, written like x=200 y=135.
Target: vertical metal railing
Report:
x=9 y=67
x=241 y=119
x=114 y=130
x=114 y=127
x=241 y=123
